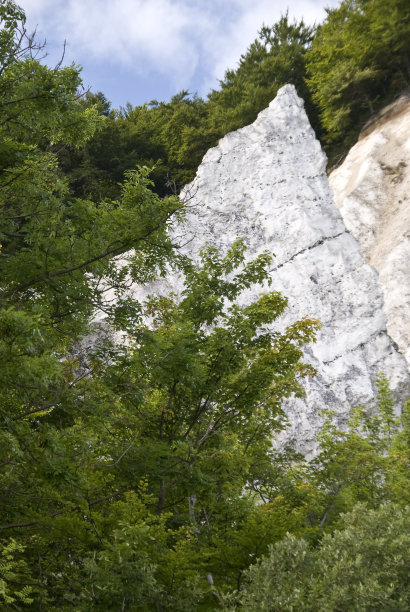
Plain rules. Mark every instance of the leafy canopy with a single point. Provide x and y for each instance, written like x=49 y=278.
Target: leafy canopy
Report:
x=360 y=59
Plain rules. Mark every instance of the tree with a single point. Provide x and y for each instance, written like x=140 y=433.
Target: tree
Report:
x=197 y=402
x=158 y=445
x=56 y=248
x=275 y=58
x=365 y=462
x=362 y=566
x=358 y=61
x=331 y=560
x=155 y=441
x=57 y=261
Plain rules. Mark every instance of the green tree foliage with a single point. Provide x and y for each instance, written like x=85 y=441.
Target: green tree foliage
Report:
x=331 y=560
x=361 y=566
x=170 y=138
x=362 y=463
x=56 y=248
x=14 y=576
x=56 y=265
x=360 y=59
x=145 y=467
x=275 y=58
x=178 y=131
x=200 y=399
x=367 y=462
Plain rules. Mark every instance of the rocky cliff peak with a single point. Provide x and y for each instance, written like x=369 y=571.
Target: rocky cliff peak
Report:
x=267 y=183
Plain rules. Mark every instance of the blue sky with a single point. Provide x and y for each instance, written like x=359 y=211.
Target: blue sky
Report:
x=140 y=50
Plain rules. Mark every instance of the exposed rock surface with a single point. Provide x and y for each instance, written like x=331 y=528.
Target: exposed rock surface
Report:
x=267 y=183
x=372 y=191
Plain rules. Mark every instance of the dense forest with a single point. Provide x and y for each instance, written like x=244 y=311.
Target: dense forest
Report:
x=144 y=477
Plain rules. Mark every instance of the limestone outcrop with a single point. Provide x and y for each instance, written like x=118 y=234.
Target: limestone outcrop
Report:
x=372 y=191
x=267 y=183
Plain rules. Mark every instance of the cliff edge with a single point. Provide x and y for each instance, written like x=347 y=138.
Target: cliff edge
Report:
x=372 y=191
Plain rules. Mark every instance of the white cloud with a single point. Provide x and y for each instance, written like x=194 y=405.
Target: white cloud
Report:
x=144 y=35
x=233 y=41
x=176 y=38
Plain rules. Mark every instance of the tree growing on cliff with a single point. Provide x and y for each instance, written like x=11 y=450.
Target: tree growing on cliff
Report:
x=172 y=137
x=360 y=59
x=275 y=58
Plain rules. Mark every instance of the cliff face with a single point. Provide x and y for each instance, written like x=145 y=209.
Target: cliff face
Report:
x=372 y=191
x=267 y=183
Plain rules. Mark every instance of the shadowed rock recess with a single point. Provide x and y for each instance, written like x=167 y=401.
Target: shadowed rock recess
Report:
x=267 y=183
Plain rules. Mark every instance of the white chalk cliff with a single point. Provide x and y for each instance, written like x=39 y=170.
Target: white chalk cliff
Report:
x=372 y=191
x=267 y=183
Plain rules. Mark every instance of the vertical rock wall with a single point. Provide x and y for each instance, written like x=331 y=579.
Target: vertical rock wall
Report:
x=267 y=183
x=372 y=191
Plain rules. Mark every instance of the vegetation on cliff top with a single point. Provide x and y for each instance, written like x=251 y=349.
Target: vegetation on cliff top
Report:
x=345 y=69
